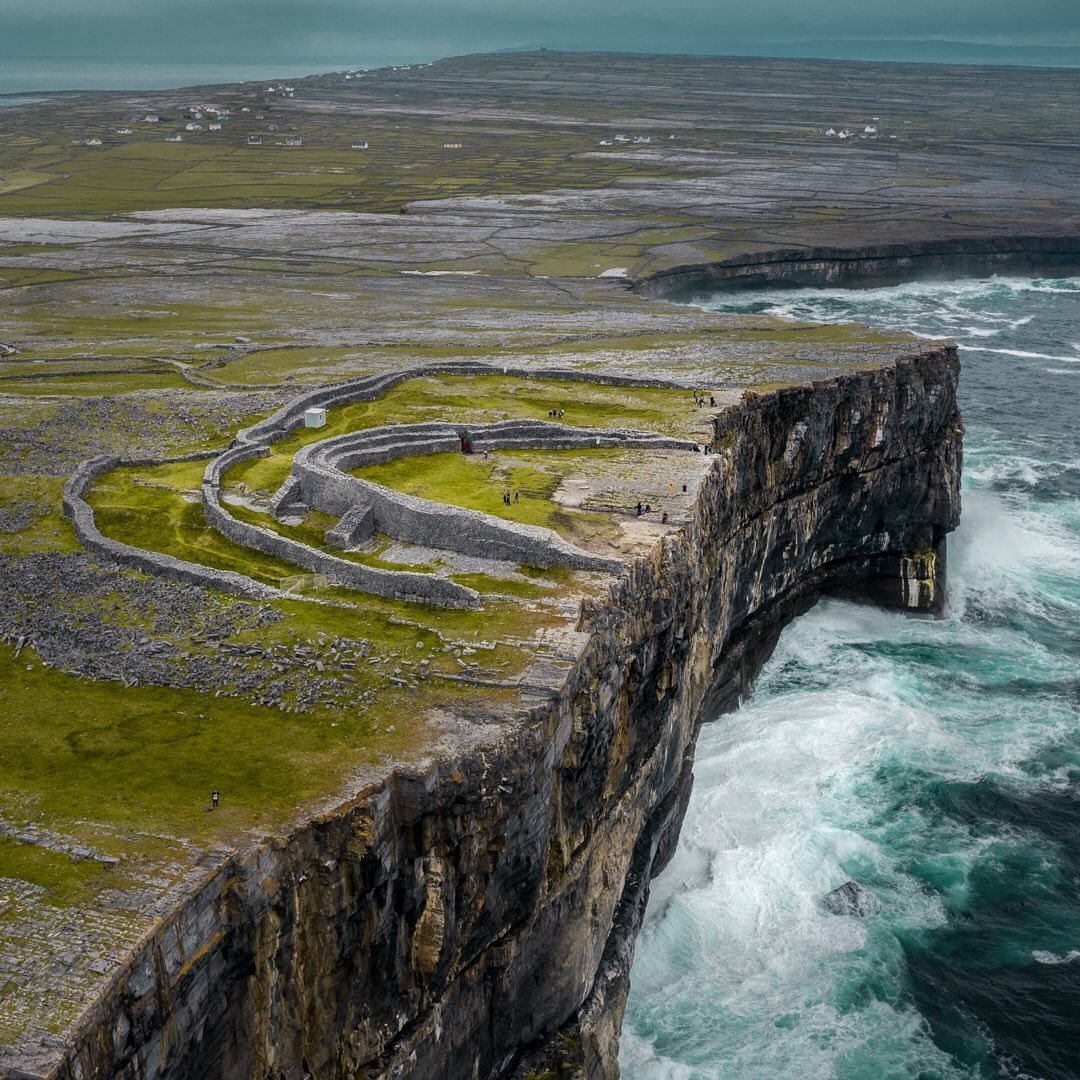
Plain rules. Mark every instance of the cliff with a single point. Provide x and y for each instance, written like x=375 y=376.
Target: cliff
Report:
x=476 y=917
x=872 y=265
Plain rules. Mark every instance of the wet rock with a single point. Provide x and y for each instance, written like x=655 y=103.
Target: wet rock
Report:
x=851 y=899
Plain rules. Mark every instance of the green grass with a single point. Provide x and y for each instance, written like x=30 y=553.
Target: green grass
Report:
x=156 y=508
x=482 y=399
x=275 y=365
x=49 y=531
x=97 y=385
x=67 y=883
x=147 y=757
x=487 y=583
x=406 y=162
x=474 y=483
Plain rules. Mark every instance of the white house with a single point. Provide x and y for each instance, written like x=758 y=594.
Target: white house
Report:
x=314 y=417
x=151 y=118
x=293 y=140
x=254 y=140
x=451 y=146
x=215 y=127
x=193 y=127
x=360 y=145
x=870 y=129
x=174 y=138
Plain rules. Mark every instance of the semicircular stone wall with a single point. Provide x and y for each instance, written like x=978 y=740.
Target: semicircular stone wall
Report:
x=320 y=479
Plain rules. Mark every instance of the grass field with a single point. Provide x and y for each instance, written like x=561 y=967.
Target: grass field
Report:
x=406 y=161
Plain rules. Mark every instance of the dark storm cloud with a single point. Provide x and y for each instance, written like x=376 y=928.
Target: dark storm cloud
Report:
x=348 y=29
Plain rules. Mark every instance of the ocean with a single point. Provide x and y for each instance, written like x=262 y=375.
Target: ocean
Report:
x=937 y=763
x=34 y=75
x=139 y=63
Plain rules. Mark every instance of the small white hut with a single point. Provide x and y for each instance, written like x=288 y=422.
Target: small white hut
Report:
x=314 y=417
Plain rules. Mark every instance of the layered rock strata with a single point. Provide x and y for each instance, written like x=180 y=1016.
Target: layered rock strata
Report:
x=475 y=917
x=873 y=265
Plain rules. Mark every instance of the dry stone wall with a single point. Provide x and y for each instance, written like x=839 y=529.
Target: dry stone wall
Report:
x=401 y=584
x=81 y=515
x=369 y=507
x=324 y=483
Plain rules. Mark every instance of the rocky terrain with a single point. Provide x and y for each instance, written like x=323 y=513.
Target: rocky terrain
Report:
x=437 y=827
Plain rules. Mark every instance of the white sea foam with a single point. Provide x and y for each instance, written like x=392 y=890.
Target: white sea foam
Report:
x=830 y=771
x=1024 y=354
x=1053 y=958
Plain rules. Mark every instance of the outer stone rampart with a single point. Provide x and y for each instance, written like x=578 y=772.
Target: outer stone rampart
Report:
x=81 y=515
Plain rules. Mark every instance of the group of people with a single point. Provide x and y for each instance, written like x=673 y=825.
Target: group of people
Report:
x=647 y=509
x=701 y=399
x=506 y=496
x=557 y=413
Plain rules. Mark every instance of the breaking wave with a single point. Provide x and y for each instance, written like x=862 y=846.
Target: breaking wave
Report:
x=936 y=763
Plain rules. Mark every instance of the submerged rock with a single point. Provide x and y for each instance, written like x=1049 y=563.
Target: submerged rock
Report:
x=851 y=899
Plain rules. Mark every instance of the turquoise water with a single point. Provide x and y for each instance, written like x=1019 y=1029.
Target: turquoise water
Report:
x=937 y=763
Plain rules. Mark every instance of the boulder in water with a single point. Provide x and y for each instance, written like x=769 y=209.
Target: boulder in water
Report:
x=851 y=899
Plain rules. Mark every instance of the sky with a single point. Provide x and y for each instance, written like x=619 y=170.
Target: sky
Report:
x=37 y=37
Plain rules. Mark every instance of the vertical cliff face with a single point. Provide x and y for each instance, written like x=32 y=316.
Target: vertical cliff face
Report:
x=476 y=917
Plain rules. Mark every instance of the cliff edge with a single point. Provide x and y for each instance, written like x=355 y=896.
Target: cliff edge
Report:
x=476 y=916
